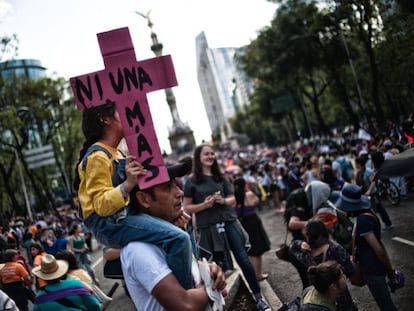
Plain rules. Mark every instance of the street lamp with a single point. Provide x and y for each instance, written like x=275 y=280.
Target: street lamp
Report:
x=22 y=112
x=26 y=197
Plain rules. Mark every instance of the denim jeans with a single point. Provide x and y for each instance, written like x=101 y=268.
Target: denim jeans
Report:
x=116 y=233
x=236 y=238
x=379 y=289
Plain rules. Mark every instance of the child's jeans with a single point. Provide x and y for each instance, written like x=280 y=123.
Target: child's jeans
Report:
x=116 y=233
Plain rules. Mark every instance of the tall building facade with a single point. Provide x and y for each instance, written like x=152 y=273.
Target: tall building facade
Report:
x=225 y=89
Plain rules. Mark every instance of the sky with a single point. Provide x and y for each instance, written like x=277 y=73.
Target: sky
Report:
x=62 y=35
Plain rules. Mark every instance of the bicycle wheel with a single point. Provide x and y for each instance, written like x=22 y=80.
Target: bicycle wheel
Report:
x=393 y=193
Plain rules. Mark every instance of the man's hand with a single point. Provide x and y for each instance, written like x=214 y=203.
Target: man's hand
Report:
x=182 y=220
x=217 y=275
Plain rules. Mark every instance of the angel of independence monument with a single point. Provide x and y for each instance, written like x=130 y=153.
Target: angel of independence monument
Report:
x=180 y=134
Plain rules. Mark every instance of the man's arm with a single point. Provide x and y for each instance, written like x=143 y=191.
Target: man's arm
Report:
x=381 y=253
x=172 y=296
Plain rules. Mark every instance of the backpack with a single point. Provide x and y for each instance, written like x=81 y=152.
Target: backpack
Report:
x=119 y=172
x=342 y=232
x=347 y=169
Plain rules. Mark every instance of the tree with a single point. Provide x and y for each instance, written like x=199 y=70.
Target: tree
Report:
x=35 y=113
x=38 y=115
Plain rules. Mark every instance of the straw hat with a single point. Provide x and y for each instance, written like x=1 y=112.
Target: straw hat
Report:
x=50 y=268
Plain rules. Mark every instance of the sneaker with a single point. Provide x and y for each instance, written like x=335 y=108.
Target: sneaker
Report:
x=262 y=305
x=388 y=228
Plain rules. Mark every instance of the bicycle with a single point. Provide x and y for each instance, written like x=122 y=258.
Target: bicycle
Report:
x=388 y=189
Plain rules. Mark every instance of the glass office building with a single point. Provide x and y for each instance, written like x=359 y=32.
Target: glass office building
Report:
x=29 y=68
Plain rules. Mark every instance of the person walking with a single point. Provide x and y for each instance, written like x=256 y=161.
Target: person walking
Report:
x=365 y=178
x=246 y=207
x=38 y=252
x=104 y=177
x=370 y=252
x=210 y=197
x=77 y=245
x=298 y=212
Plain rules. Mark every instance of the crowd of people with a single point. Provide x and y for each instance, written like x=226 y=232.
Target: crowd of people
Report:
x=207 y=210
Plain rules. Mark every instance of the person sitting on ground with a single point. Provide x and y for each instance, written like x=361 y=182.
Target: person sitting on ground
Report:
x=328 y=282
x=61 y=294
x=150 y=281
x=319 y=247
x=76 y=273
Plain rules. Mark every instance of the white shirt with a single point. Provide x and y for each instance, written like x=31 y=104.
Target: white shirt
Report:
x=7 y=302
x=144 y=265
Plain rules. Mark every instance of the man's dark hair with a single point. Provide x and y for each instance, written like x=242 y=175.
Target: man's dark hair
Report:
x=134 y=205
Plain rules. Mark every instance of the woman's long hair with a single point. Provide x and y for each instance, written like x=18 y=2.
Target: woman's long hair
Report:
x=239 y=191
x=93 y=130
x=198 y=167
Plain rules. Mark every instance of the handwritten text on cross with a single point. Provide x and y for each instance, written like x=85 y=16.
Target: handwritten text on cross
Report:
x=126 y=82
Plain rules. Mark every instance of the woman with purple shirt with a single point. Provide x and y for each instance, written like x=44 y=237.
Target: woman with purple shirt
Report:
x=246 y=206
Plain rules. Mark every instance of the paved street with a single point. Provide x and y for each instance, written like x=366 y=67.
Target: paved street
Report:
x=284 y=279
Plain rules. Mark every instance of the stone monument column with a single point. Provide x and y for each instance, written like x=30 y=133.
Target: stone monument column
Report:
x=180 y=134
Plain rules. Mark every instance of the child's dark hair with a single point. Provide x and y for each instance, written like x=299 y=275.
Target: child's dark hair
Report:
x=93 y=130
x=324 y=274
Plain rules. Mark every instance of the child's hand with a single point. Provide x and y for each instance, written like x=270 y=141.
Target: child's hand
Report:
x=133 y=169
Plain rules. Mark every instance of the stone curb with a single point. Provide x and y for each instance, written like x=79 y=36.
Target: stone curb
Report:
x=233 y=285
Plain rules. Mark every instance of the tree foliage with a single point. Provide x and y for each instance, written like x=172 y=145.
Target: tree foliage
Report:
x=36 y=113
x=344 y=62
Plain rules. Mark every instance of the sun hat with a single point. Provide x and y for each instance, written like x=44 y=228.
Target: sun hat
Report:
x=50 y=268
x=351 y=199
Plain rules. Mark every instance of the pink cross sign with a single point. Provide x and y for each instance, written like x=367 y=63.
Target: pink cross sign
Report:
x=126 y=82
